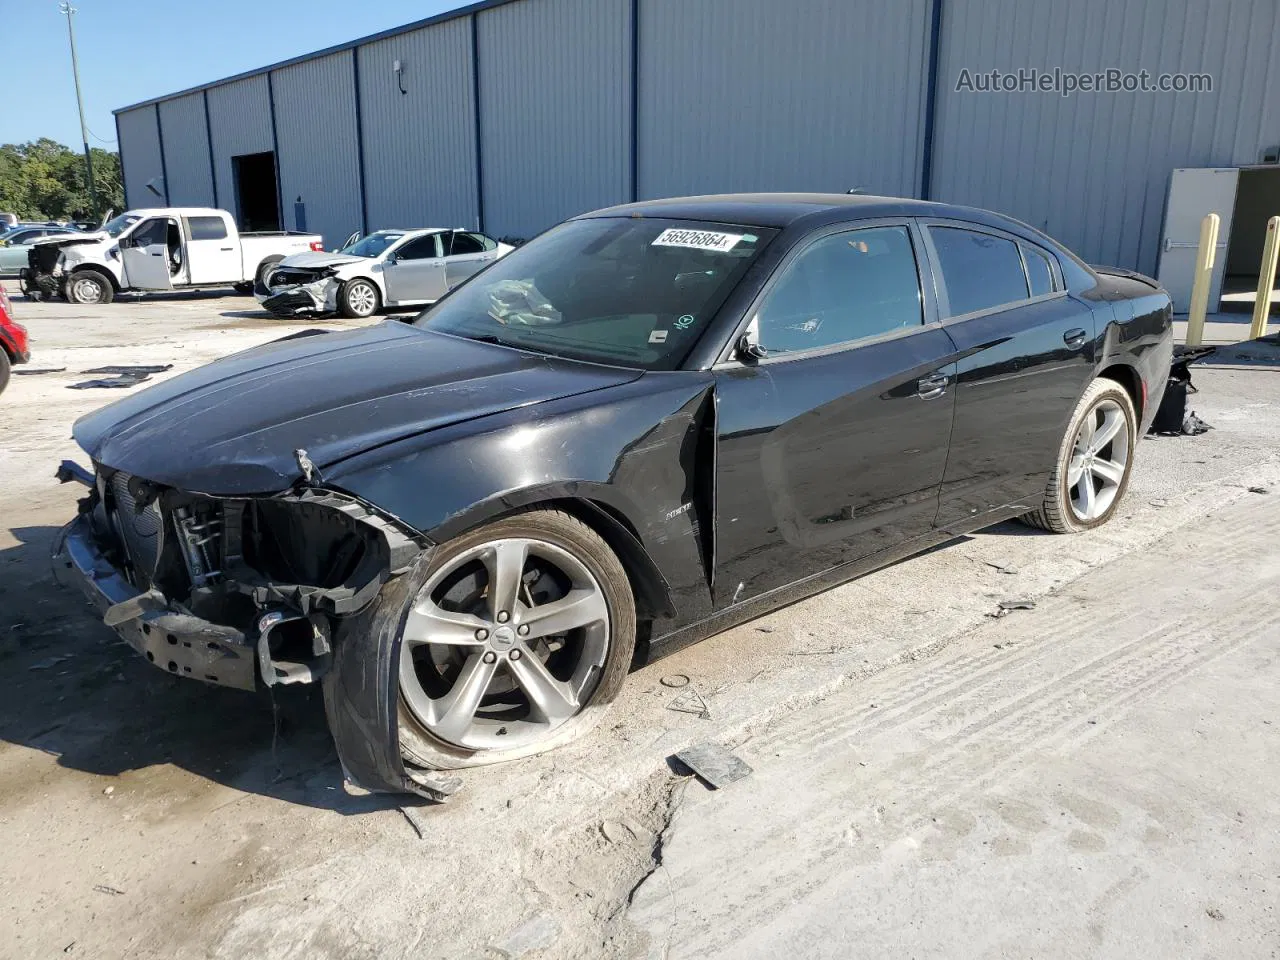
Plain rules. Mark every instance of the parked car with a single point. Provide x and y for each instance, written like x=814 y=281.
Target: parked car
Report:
x=13 y=340
x=644 y=426
x=389 y=268
x=169 y=248
x=7 y=221
x=14 y=243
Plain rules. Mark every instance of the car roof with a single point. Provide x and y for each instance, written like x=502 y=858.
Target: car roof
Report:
x=783 y=209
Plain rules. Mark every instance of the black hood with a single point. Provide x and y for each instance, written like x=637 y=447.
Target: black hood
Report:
x=231 y=427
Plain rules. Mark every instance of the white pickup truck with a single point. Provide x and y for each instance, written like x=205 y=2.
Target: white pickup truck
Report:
x=169 y=248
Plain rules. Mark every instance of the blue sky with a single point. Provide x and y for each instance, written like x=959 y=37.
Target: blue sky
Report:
x=133 y=50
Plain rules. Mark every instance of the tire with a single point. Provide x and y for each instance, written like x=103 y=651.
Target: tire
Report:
x=89 y=286
x=1070 y=507
x=359 y=299
x=260 y=275
x=4 y=370
x=590 y=660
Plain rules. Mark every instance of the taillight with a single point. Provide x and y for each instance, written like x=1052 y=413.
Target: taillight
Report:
x=317 y=246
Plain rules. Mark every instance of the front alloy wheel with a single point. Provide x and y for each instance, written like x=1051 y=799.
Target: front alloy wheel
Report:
x=514 y=643
x=358 y=299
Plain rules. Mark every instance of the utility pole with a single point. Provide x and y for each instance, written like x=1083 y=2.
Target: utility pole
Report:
x=69 y=10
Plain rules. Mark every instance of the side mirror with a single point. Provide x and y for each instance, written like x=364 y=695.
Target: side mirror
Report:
x=391 y=259
x=747 y=348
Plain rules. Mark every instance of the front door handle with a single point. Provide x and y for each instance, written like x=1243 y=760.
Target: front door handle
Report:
x=1074 y=338
x=932 y=386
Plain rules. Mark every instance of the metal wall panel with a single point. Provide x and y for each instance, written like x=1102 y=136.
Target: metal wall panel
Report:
x=240 y=122
x=555 y=105
x=186 y=151
x=140 y=154
x=318 y=152
x=419 y=146
x=740 y=95
x=1093 y=169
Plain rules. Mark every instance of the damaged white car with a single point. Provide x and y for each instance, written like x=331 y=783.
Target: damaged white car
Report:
x=389 y=268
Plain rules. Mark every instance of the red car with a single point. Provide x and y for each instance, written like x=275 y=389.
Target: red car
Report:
x=13 y=340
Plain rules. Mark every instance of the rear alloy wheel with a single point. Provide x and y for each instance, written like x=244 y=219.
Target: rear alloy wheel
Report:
x=1094 y=462
x=89 y=286
x=358 y=299
x=517 y=639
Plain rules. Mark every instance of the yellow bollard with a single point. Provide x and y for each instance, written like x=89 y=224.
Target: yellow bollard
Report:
x=1266 y=280
x=1204 y=277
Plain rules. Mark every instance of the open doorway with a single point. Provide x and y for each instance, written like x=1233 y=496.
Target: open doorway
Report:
x=257 y=200
x=1257 y=200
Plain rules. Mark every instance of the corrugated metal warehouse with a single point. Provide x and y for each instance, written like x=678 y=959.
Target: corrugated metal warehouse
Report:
x=510 y=115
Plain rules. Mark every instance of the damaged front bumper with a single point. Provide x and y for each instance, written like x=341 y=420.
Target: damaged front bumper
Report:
x=167 y=636
x=294 y=299
x=124 y=548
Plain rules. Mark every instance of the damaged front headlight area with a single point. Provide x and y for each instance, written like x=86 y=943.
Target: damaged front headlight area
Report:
x=292 y=291
x=233 y=591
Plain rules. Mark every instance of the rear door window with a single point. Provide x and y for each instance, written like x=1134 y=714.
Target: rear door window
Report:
x=206 y=228
x=981 y=271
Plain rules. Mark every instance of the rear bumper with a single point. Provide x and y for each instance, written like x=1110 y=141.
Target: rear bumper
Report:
x=168 y=637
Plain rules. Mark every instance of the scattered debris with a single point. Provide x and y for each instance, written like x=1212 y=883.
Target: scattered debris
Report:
x=69 y=947
x=765 y=629
x=675 y=681
x=1193 y=426
x=24 y=372
x=124 y=380
x=1259 y=490
x=411 y=814
x=690 y=702
x=48 y=662
x=132 y=371
x=1214 y=913
x=813 y=653
x=1009 y=605
x=1160 y=502
x=110 y=891
x=713 y=764
x=108 y=791
x=536 y=933
x=1004 y=566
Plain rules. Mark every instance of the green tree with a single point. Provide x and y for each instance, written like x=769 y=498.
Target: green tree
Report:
x=45 y=180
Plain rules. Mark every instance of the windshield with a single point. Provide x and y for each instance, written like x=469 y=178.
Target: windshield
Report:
x=118 y=225
x=372 y=245
x=633 y=292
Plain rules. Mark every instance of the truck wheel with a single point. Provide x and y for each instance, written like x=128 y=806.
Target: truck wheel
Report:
x=260 y=278
x=358 y=299
x=89 y=286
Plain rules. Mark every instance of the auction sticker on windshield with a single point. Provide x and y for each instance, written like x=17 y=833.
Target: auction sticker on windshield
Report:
x=697 y=239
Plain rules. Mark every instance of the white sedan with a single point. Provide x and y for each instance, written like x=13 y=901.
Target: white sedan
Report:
x=389 y=268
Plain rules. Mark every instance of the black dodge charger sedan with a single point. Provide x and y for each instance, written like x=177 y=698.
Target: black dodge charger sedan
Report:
x=646 y=425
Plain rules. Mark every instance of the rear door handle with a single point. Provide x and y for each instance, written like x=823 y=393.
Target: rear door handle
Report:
x=226 y=249
x=932 y=386
x=1073 y=338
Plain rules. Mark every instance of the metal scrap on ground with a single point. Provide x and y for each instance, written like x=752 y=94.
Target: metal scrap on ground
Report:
x=690 y=701
x=714 y=764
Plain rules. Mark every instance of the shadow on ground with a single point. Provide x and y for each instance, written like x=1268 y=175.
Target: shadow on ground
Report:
x=74 y=691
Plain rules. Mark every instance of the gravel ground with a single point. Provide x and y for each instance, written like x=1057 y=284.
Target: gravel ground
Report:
x=1092 y=777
